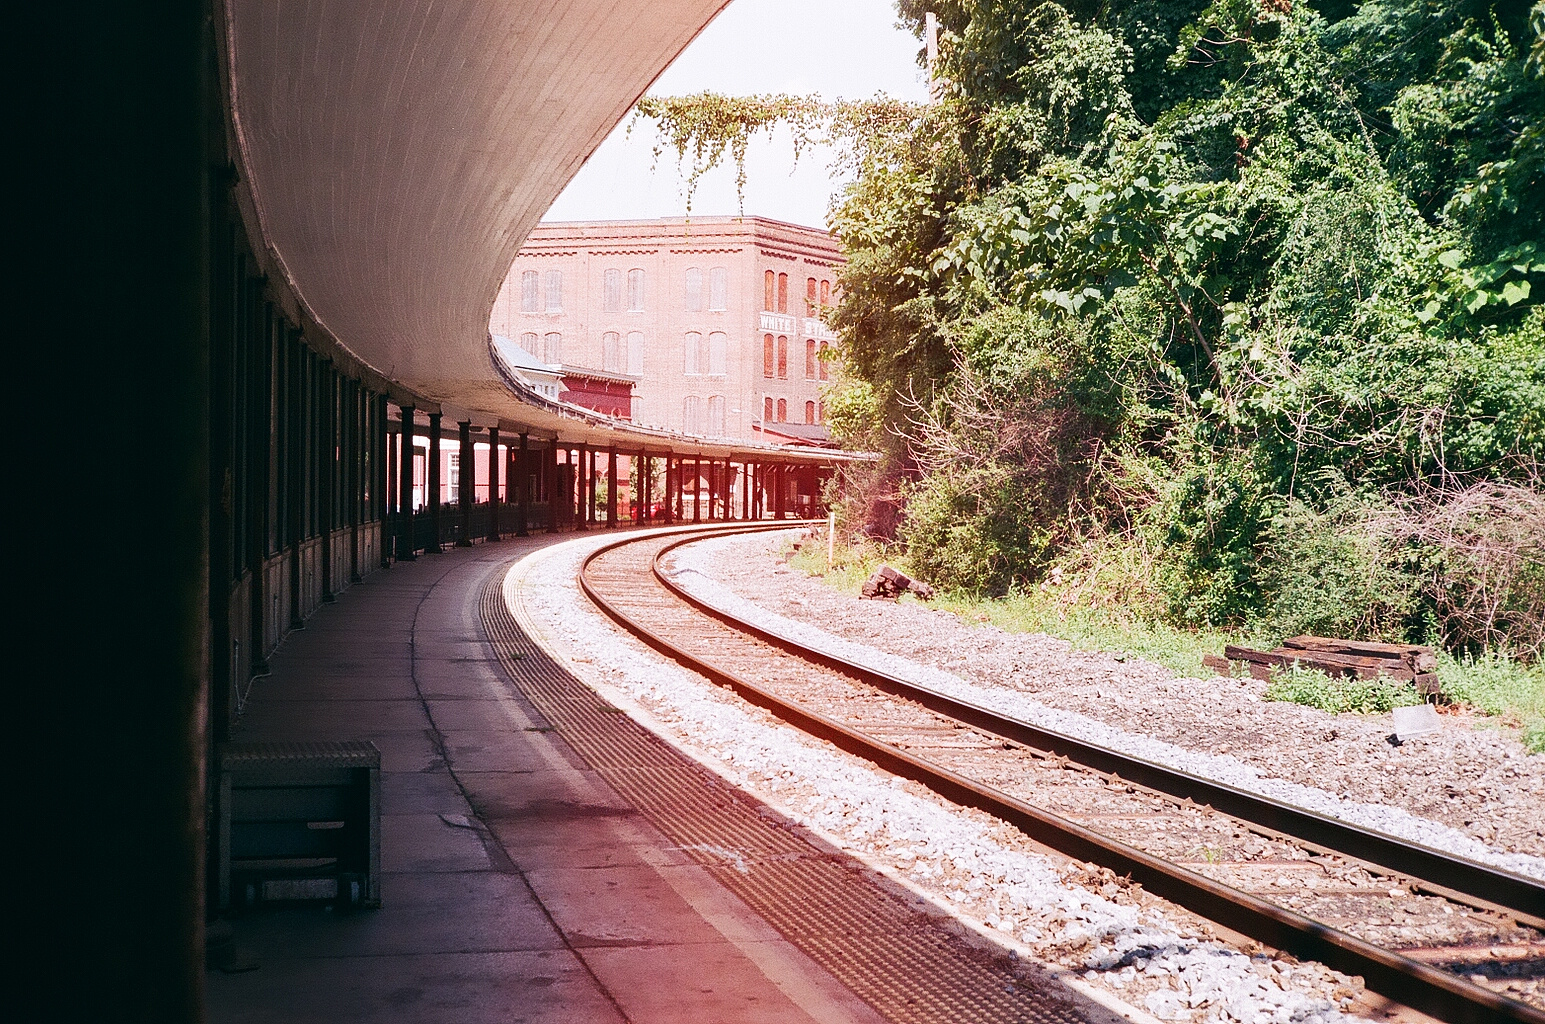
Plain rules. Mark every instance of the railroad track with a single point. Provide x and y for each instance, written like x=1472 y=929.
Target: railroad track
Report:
x=1412 y=921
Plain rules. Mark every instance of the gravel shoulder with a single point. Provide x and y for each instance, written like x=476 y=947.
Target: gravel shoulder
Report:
x=1476 y=780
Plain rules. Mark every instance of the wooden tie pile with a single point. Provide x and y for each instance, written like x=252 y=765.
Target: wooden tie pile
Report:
x=1408 y=662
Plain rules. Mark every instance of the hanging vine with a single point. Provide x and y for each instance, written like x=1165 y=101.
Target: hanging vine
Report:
x=705 y=128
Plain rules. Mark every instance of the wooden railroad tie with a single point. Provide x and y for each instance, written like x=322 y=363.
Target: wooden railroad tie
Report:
x=1412 y=663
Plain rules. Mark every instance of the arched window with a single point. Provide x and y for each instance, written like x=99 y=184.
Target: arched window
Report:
x=635 y=291
x=552 y=348
x=636 y=353
x=767 y=410
x=783 y=410
x=690 y=350
x=809 y=412
x=530 y=301
x=767 y=355
x=718 y=288
x=530 y=344
x=718 y=353
x=691 y=414
x=769 y=286
x=783 y=357
x=811 y=291
x=783 y=293
x=826 y=293
x=611 y=291
x=810 y=358
x=716 y=415
x=694 y=290
x=555 y=291
x=610 y=343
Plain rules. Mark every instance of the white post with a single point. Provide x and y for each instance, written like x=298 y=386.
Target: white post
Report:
x=831 y=538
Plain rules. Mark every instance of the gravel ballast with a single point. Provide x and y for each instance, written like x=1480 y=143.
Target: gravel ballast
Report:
x=985 y=872
x=1219 y=728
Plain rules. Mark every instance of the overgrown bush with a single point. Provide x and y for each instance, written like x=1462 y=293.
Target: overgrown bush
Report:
x=1333 y=571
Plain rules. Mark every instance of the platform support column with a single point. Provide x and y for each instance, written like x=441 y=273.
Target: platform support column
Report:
x=493 y=483
x=466 y=483
x=522 y=486
x=405 y=488
x=611 y=488
x=432 y=483
x=552 y=489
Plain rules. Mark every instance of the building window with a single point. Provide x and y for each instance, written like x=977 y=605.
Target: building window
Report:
x=783 y=410
x=611 y=291
x=530 y=344
x=783 y=293
x=783 y=357
x=718 y=353
x=453 y=473
x=529 y=301
x=769 y=290
x=826 y=293
x=810 y=412
x=811 y=291
x=691 y=414
x=767 y=355
x=610 y=343
x=716 y=415
x=555 y=291
x=690 y=350
x=552 y=348
x=718 y=289
x=694 y=290
x=767 y=410
x=823 y=361
x=810 y=358
x=635 y=291
x=636 y=353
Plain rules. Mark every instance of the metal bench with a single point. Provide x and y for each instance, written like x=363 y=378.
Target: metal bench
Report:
x=299 y=821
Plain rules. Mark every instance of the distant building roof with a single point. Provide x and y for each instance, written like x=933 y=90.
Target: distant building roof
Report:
x=812 y=434
x=592 y=374
x=519 y=358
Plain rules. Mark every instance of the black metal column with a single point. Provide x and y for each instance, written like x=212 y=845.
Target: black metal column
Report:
x=328 y=478
x=466 y=483
x=493 y=483
x=432 y=483
x=611 y=488
x=404 y=524
x=522 y=486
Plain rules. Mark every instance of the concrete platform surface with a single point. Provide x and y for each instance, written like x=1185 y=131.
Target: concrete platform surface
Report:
x=574 y=908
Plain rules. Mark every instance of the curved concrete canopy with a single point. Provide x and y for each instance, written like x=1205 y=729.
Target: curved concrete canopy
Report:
x=394 y=156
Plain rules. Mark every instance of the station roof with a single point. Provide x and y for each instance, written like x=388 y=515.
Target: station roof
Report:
x=391 y=160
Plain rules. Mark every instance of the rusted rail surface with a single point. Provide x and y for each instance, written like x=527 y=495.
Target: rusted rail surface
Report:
x=641 y=598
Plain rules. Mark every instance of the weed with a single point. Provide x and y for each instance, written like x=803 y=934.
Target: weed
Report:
x=1497 y=685
x=1315 y=689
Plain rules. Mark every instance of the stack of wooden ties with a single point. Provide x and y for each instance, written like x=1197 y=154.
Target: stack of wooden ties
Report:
x=1409 y=662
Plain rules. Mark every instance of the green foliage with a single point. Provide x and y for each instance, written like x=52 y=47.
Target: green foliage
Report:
x=1338 y=695
x=1154 y=271
x=1329 y=572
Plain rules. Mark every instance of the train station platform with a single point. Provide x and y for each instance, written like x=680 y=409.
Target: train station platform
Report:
x=520 y=879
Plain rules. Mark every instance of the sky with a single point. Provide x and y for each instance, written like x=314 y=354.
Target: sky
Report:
x=849 y=49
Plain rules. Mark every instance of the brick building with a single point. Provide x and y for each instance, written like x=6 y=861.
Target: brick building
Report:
x=718 y=320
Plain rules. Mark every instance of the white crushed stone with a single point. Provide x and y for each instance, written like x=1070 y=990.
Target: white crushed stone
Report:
x=959 y=858
x=692 y=573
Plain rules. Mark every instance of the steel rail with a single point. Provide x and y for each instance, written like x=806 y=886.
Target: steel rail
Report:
x=1427 y=989
x=1481 y=885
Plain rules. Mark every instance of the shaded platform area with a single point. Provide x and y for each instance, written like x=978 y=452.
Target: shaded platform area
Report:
x=545 y=858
